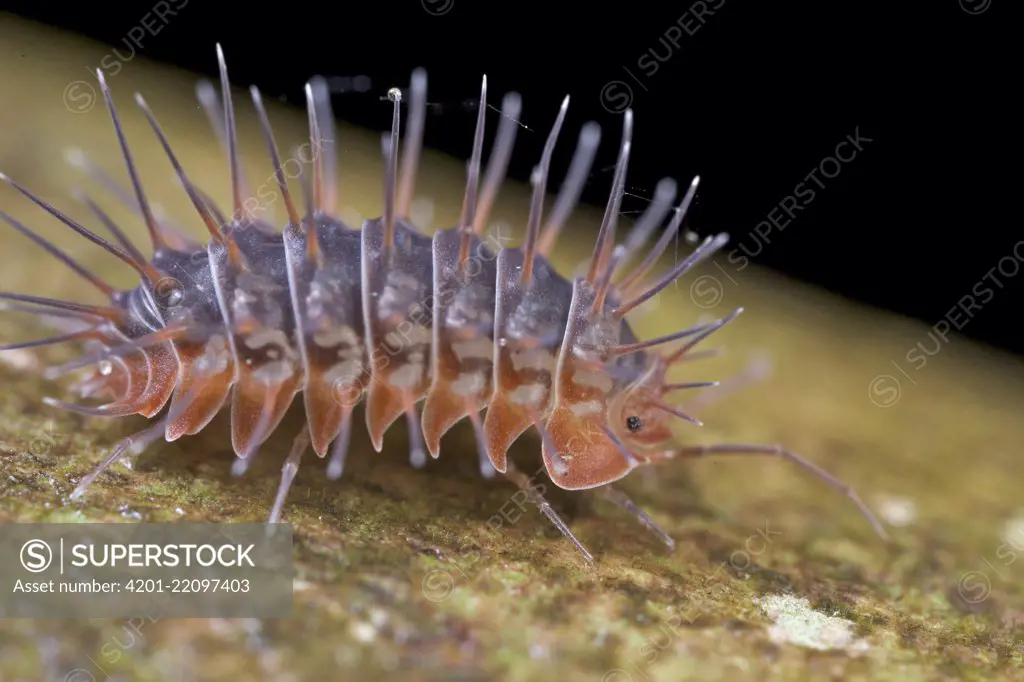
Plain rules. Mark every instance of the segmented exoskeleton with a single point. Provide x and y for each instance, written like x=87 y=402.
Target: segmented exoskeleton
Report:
x=389 y=315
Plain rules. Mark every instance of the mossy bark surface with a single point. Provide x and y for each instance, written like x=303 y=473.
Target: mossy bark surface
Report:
x=438 y=574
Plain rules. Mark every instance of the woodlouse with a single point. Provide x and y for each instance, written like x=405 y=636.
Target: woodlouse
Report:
x=388 y=314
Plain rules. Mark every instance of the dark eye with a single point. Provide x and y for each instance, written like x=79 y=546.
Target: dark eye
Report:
x=634 y=424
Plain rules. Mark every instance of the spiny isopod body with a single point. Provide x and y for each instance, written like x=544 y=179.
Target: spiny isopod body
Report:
x=388 y=315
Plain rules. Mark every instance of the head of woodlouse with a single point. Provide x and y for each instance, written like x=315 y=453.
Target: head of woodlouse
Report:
x=606 y=419
x=599 y=436
x=645 y=428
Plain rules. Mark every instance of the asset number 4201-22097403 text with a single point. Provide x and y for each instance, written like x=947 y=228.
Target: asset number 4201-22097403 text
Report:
x=186 y=585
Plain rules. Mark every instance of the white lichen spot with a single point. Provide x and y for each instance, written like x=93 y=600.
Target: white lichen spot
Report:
x=379 y=618
x=897 y=511
x=539 y=651
x=364 y=632
x=20 y=359
x=797 y=623
x=1013 y=532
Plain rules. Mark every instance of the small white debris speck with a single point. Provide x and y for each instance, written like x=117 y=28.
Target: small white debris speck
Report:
x=538 y=651
x=797 y=623
x=897 y=511
x=364 y=632
x=1013 y=532
x=379 y=618
x=20 y=359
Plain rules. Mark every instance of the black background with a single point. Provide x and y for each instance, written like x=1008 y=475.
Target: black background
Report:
x=752 y=101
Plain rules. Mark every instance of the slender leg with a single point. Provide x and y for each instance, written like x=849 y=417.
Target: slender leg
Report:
x=487 y=469
x=340 y=449
x=523 y=481
x=242 y=464
x=133 y=444
x=620 y=499
x=417 y=453
x=779 y=451
x=288 y=471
